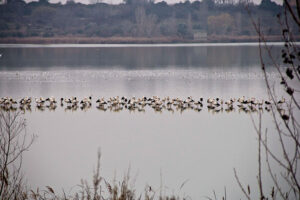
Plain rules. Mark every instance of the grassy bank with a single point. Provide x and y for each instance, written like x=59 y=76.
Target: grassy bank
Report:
x=131 y=40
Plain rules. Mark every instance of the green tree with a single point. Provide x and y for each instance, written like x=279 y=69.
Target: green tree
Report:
x=43 y=14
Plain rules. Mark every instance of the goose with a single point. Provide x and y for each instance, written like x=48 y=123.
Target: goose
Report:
x=267 y=102
x=229 y=102
x=40 y=100
x=84 y=101
x=245 y=101
x=281 y=101
x=12 y=101
x=100 y=100
x=40 y=107
x=22 y=101
x=199 y=103
x=5 y=101
x=210 y=100
x=190 y=99
x=68 y=100
x=143 y=103
x=27 y=100
x=74 y=101
x=158 y=103
x=242 y=100
x=51 y=100
x=103 y=103
x=216 y=103
x=252 y=101
x=169 y=103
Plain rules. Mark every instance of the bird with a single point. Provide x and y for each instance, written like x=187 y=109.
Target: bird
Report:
x=267 y=102
x=281 y=101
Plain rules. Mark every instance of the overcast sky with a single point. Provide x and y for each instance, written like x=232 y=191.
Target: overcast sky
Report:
x=119 y=1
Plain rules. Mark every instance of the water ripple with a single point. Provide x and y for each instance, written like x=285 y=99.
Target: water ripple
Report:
x=94 y=75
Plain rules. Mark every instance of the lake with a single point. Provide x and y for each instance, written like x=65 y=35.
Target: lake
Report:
x=199 y=149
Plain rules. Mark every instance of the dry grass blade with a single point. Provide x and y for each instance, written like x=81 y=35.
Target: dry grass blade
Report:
x=184 y=182
x=50 y=189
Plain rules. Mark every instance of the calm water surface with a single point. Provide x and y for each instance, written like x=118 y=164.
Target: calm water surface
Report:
x=202 y=148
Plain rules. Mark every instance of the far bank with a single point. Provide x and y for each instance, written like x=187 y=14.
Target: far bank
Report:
x=133 y=40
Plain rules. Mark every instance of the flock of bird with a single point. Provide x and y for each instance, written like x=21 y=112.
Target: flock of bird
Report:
x=158 y=104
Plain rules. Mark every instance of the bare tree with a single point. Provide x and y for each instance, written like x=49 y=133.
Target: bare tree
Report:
x=13 y=142
x=95 y=1
x=285 y=113
x=145 y=24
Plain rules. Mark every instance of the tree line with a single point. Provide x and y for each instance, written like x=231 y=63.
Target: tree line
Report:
x=135 y=18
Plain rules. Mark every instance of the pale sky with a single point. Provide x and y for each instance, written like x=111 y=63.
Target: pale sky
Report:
x=168 y=1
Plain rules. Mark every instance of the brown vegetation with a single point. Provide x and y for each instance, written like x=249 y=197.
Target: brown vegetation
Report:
x=13 y=143
x=133 y=40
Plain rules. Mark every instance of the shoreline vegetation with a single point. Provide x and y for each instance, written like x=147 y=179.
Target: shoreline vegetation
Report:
x=133 y=40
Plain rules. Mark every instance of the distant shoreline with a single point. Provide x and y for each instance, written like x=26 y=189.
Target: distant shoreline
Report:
x=133 y=40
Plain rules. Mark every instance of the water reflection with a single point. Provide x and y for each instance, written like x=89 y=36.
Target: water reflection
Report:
x=130 y=58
